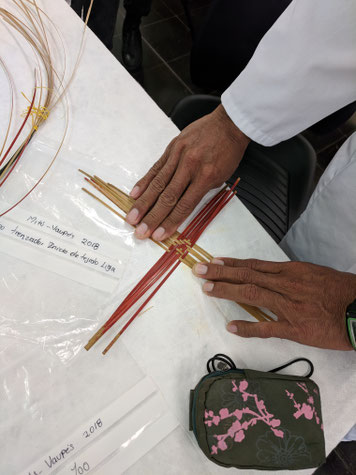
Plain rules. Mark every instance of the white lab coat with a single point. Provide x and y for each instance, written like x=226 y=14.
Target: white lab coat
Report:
x=303 y=70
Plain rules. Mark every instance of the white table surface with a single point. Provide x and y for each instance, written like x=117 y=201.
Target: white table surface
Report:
x=120 y=132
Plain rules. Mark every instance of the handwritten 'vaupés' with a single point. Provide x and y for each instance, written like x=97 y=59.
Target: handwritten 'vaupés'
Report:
x=51 y=460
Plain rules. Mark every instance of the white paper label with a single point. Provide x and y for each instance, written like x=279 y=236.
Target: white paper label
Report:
x=118 y=427
x=65 y=251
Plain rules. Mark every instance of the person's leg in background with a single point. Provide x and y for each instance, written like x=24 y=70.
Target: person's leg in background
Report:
x=102 y=18
x=102 y=21
x=131 y=35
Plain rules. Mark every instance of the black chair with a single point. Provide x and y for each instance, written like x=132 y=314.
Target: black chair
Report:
x=276 y=182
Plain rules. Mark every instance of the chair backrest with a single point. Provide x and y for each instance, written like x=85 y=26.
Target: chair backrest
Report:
x=192 y=108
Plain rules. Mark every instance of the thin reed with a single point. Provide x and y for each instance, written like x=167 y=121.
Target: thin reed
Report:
x=181 y=247
x=35 y=27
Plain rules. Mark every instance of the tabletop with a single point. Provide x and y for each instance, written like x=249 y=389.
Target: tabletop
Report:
x=65 y=410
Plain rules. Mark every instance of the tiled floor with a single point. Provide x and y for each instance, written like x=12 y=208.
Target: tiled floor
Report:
x=166 y=42
x=165 y=76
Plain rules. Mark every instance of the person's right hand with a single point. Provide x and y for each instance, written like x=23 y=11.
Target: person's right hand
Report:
x=309 y=300
x=202 y=157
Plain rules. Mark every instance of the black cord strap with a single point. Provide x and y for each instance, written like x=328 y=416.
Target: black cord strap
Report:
x=308 y=375
x=226 y=363
x=219 y=357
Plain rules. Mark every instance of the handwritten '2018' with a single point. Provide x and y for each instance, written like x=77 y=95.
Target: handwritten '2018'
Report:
x=93 y=428
x=94 y=245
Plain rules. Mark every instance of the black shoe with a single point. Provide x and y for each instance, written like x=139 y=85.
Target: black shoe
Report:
x=131 y=46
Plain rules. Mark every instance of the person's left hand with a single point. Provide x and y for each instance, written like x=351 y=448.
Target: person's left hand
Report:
x=309 y=300
x=204 y=155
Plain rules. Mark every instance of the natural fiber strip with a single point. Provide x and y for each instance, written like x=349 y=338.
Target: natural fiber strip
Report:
x=181 y=247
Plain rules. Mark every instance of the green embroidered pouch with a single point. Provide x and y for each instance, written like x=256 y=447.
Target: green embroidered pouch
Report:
x=253 y=419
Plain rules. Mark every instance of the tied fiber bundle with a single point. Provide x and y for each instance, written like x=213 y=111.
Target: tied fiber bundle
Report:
x=34 y=28
x=181 y=247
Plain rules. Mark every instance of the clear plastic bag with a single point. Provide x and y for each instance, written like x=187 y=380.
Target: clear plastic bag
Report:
x=84 y=256
x=66 y=264
x=51 y=304
x=52 y=301
x=60 y=254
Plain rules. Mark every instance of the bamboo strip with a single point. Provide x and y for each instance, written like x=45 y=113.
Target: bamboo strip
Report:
x=190 y=233
x=125 y=203
x=189 y=255
x=189 y=262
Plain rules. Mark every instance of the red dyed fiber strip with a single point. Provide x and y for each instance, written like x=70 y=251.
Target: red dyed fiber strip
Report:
x=20 y=130
x=193 y=231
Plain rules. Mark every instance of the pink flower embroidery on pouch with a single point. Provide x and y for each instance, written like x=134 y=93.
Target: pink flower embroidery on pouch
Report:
x=239 y=436
x=305 y=409
x=236 y=431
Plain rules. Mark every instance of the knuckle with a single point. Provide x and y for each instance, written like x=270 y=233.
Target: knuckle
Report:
x=158 y=184
x=251 y=292
x=179 y=145
x=192 y=156
x=183 y=208
x=252 y=264
x=267 y=331
x=244 y=275
x=155 y=167
x=217 y=272
x=209 y=172
x=168 y=199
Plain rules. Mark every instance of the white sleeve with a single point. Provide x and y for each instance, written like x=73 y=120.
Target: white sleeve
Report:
x=303 y=70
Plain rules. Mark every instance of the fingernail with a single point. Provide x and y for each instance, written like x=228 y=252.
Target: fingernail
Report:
x=132 y=216
x=135 y=192
x=141 y=230
x=231 y=328
x=158 y=234
x=208 y=286
x=217 y=261
x=200 y=269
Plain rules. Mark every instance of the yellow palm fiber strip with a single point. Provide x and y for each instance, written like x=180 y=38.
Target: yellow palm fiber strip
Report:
x=119 y=196
x=256 y=312
x=37 y=113
x=33 y=37
x=122 y=201
x=188 y=262
x=126 y=202
x=126 y=205
x=197 y=248
x=34 y=32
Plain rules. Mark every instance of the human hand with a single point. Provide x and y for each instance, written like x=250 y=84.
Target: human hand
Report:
x=309 y=300
x=200 y=158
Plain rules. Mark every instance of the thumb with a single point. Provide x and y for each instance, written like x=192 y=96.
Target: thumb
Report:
x=258 y=330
